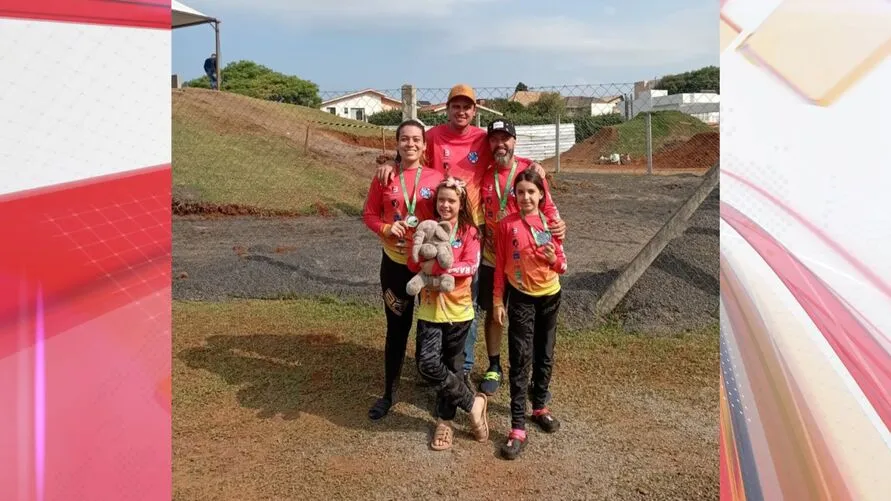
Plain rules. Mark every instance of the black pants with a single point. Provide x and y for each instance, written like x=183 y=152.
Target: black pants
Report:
x=440 y=355
x=531 y=334
x=399 y=308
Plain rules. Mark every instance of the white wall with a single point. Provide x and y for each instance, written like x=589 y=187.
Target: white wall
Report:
x=598 y=109
x=537 y=141
x=705 y=106
x=369 y=103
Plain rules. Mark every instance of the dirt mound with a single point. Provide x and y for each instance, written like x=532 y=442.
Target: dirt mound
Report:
x=701 y=151
x=192 y=208
x=592 y=148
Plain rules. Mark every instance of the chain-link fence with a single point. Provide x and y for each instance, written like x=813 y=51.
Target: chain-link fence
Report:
x=244 y=153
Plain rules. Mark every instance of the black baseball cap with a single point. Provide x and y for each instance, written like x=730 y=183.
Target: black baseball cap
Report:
x=502 y=124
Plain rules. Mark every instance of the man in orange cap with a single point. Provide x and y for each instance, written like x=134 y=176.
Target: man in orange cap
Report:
x=460 y=149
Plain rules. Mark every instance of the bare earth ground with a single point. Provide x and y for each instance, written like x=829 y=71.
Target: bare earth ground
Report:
x=271 y=396
x=270 y=402
x=609 y=218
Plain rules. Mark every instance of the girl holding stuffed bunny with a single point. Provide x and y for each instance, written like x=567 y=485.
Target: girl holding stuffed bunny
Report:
x=529 y=260
x=392 y=212
x=444 y=318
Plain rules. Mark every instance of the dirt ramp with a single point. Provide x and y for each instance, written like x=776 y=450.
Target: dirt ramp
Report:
x=701 y=151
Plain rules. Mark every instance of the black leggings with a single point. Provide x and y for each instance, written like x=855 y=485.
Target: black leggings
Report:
x=400 y=309
x=440 y=354
x=531 y=333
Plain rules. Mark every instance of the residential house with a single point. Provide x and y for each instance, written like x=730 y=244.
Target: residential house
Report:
x=525 y=97
x=360 y=105
x=592 y=106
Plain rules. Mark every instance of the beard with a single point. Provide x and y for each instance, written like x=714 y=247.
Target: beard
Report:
x=503 y=159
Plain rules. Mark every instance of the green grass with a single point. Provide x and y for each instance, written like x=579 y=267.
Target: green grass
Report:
x=263 y=171
x=668 y=126
x=365 y=324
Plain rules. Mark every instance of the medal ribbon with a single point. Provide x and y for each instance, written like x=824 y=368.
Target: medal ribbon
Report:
x=453 y=234
x=414 y=197
x=502 y=200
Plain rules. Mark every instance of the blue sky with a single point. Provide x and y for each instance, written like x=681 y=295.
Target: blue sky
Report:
x=344 y=45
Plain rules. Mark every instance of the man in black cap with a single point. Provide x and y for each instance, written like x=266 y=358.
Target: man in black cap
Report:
x=498 y=200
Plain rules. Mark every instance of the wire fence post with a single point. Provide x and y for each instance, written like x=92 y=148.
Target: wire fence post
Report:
x=306 y=140
x=649 y=143
x=557 y=143
x=409 y=102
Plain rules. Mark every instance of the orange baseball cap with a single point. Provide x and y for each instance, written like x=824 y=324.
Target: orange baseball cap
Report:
x=462 y=90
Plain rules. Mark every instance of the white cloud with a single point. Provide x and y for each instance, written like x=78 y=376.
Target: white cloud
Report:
x=664 y=40
x=306 y=11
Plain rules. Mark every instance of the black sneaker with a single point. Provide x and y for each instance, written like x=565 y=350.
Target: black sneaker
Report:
x=490 y=383
x=546 y=421
x=514 y=445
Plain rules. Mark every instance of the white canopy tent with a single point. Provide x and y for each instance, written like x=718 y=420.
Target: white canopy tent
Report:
x=184 y=16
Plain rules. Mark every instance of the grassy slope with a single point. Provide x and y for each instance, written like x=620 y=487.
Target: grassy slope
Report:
x=668 y=127
x=234 y=149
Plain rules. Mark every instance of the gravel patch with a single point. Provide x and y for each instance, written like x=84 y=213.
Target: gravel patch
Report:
x=609 y=216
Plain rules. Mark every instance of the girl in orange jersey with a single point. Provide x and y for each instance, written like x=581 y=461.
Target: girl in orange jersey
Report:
x=528 y=263
x=392 y=212
x=444 y=319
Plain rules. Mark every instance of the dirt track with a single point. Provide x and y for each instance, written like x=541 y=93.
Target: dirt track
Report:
x=609 y=217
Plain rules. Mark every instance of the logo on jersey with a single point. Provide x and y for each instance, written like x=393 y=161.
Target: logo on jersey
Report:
x=395 y=190
x=473 y=157
x=394 y=203
x=516 y=255
x=516 y=243
x=397 y=217
x=457 y=243
x=446 y=153
x=426 y=193
x=513 y=230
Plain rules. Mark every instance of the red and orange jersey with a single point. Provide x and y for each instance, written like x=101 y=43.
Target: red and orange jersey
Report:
x=457 y=305
x=521 y=262
x=492 y=206
x=386 y=204
x=464 y=156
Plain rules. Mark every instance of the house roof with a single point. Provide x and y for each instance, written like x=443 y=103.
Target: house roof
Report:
x=525 y=97
x=608 y=99
x=383 y=97
x=578 y=101
x=436 y=108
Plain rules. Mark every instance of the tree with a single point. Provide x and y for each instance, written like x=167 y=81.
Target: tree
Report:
x=549 y=104
x=707 y=78
x=503 y=105
x=521 y=87
x=255 y=80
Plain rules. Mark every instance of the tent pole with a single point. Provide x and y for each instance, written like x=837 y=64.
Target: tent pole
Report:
x=216 y=29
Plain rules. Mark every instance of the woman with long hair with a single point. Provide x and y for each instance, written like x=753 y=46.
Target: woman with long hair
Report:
x=392 y=212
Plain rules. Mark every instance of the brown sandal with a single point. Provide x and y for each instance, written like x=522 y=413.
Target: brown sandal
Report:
x=481 y=431
x=443 y=434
